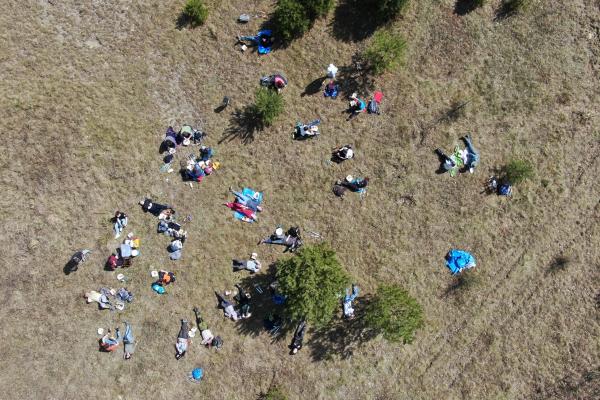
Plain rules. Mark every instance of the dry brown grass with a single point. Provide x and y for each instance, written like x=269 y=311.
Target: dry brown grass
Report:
x=87 y=92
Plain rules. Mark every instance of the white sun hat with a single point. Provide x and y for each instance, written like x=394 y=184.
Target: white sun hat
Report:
x=100 y=331
x=279 y=231
x=154 y=274
x=121 y=277
x=349 y=178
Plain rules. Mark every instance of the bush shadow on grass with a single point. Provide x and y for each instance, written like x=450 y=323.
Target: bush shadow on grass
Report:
x=355 y=78
x=243 y=125
x=558 y=264
x=354 y=21
x=262 y=305
x=341 y=337
x=463 y=7
x=182 y=21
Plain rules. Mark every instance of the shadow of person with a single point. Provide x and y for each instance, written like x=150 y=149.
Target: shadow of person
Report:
x=314 y=87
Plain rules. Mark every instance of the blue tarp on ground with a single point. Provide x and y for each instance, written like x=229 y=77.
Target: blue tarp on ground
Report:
x=457 y=260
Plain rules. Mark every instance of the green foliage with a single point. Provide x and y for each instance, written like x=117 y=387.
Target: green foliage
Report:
x=274 y=393
x=195 y=12
x=517 y=171
x=268 y=104
x=290 y=20
x=316 y=8
x=395 y=314
x=386 y=51
x=312 y=280
x=388 y=9
x=514 y=6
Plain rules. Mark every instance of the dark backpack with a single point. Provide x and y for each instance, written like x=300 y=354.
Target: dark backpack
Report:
x=217 y=342
x=373 y=107
x=339 y=190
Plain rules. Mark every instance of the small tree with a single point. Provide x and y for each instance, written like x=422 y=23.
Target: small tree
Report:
x=517 y=171
x=395 y=314
x=385 y=52
x=388 y=9
x=317 y=8
x=195 y=12
x=312 y=281
x=268 y=104
x=290 y=19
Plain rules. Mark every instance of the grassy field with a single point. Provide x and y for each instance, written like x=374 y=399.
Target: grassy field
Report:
x=88 y=91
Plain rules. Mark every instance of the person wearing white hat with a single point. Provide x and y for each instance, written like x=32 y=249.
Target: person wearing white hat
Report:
x=342 y=153
x=252 y=265
x=291 y=239
x=332 y=71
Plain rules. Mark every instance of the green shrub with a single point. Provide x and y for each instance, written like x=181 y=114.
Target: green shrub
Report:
x=268 y=104
x=316 y=8
x=290 y=20
x=517 y=171
x=394 y=314
x=385 y=52
x=312 y=281
x=274 y=393
x=477 y=3
x=195 y=12
x=514 y=6
x=388 y=9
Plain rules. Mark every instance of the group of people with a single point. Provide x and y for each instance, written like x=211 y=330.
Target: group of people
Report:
x=125 y=253
x=109 y=343
x=167 y=225
x=245 y=204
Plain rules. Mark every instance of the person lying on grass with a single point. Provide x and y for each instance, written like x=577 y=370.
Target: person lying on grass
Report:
x=183 y=340
x=252 y=265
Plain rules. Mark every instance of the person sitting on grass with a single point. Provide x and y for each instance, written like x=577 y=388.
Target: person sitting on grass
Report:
x=108 y=342
x=228 y=309
x=355 y=184
x=342 y=153
x=275 y=81
x=252 y=265
x=243 y=299
x=120 y=222
x=183 y=340
x=357 y=106
x=305 y=131
x=264 y=40
x=331 y=90
x=165 y=278
x=347 y=302
x=298 y=337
